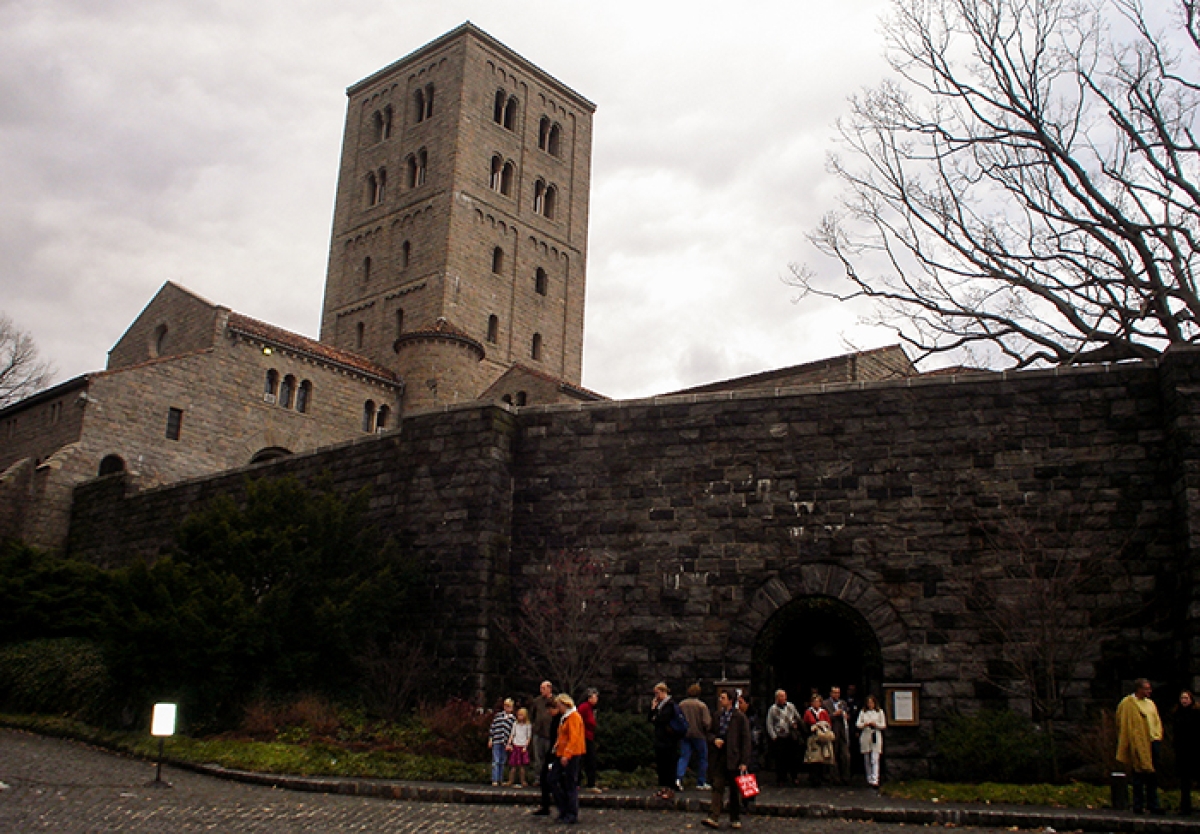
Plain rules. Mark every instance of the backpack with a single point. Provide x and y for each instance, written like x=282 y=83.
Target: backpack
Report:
x=679 y=722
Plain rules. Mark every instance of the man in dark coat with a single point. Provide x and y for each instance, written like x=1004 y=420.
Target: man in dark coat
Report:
x=729 y=757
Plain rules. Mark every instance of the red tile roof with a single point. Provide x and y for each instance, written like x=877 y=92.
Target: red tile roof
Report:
x=287 y=340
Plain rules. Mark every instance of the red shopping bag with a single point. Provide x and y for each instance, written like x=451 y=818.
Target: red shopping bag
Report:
x=748 y=785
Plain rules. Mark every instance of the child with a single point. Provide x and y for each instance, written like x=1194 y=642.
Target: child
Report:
x=498 y=738
x=518 y=749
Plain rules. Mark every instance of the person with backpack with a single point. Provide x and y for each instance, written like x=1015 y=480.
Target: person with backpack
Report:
x=669 y=727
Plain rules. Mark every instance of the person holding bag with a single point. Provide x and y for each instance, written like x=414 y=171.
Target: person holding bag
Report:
x=871 y=724
x=819 y=752
x=729 y=757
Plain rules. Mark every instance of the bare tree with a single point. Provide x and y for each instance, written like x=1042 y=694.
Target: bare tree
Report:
x=1046 y=588
x=21 y=371
x=563 y=627
x=1029 y=186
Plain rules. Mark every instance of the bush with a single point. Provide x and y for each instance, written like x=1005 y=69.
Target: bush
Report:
x=993 y=746
x=458 y=730
x=64 y=677
x=624 y=741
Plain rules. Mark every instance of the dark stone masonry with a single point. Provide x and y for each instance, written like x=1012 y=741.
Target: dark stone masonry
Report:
x=801 y=537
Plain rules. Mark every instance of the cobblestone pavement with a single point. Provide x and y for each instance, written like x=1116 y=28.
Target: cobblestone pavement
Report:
x=65 y=787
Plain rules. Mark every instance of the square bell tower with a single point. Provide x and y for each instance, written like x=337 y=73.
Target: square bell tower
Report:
x=459 y=242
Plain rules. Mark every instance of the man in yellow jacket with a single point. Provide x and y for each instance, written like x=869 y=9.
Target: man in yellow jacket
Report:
x=571 y=745
x=1139 y=736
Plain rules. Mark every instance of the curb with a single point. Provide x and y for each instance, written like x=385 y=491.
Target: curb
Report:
x=944 y=816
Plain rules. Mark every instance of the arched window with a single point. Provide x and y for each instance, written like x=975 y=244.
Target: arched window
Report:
x=360 y=332
x=423 y=98
x=554 y=140
x=377 y=126
x=269 y=453
x=381 y=418
x=498 y=108
x=494 y=177
x=304 y=396
x=417 y=164
x=507 y=175
x=158 y=345
x=372 y=189
x=540 y=281
x=405 y=254
x=493 y=333
x=497 y=260
x=543 y=133
x=399 y=321
x=272 y=386
x=286 y=390
x=380 y=192
x=387 y=123
x=111 y=464
x=366 y=270
x=368 y=417
x=507 y=398
x=535 y=349
x=539 y=196
x=551 y=206
x=522 y=398
x=510 y=113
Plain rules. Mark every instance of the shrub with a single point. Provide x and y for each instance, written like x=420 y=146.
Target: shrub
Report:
x=992 y=745
x=64 y=677
x=624 y=741
x=457 y=730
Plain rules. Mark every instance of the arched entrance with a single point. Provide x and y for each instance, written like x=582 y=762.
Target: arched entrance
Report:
x=815 y=642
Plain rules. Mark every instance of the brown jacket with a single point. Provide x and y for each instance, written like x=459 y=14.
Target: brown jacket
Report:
x=736 y=750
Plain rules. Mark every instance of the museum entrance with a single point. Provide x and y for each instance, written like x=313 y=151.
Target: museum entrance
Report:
x=814 y=642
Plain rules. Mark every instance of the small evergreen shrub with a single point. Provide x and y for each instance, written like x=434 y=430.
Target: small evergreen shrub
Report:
x=624 y=741
x=66 y=676
x=990 y=746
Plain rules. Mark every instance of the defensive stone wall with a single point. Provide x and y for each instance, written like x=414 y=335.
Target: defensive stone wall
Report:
x=902 y=503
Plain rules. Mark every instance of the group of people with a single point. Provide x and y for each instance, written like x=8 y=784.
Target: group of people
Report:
x=821 y=737
x=1139 y=742
x=553 y=738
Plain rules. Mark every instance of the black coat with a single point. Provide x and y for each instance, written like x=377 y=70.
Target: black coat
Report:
x=661 y=717
x=737 y=749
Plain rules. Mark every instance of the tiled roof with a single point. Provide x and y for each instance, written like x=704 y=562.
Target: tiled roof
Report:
x=441 y=329
x=286 y=339
x=579 y=390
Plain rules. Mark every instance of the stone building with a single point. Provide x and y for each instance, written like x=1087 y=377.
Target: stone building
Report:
x=192 y=388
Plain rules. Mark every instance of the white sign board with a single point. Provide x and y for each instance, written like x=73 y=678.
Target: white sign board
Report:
x=163 y=722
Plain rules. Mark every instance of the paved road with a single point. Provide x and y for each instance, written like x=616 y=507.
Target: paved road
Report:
x=65 y=787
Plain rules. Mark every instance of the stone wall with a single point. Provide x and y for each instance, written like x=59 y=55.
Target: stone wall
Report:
x=716 y=514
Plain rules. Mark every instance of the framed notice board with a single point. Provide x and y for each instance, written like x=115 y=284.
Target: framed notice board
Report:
x=902 y=702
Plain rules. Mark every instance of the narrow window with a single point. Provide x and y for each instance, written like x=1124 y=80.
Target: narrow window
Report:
x=498 y=108
x=540 y=281
x=428 y=101
x=174 y=423
x=419 y=100
x=494 y=177
x=405 y=254
x=493 y=329
x=303 y=396
x=521 y=398
x=372 y=189
x=286 y=390
x=535 y=349
x=399 y=321
x=510 y=114
x=366 y=270
x=159 y=344
x=551 y=206
x=380 y=191
x=381 y=418
x=387 y=123
x=422 y=165
x=539 y=196
x=272 y=386
x=368 y=417
x=543 y=133
x=554 y=140
x=360 y=332
x=507 y=174
x=377 y=126
x=497 y=260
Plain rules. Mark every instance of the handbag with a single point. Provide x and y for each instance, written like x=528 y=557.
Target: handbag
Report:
x=747 y=785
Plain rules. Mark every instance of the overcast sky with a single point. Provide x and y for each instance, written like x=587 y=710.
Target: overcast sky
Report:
x=199 y=142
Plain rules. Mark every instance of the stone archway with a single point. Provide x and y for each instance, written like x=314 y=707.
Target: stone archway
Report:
x=818 y=597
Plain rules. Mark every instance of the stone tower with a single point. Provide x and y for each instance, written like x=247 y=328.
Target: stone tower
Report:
x=460 y=228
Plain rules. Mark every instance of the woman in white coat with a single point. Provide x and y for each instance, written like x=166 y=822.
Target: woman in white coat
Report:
x=871 y=724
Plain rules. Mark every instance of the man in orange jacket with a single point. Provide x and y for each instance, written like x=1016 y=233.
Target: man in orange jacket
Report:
x=571 y=745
